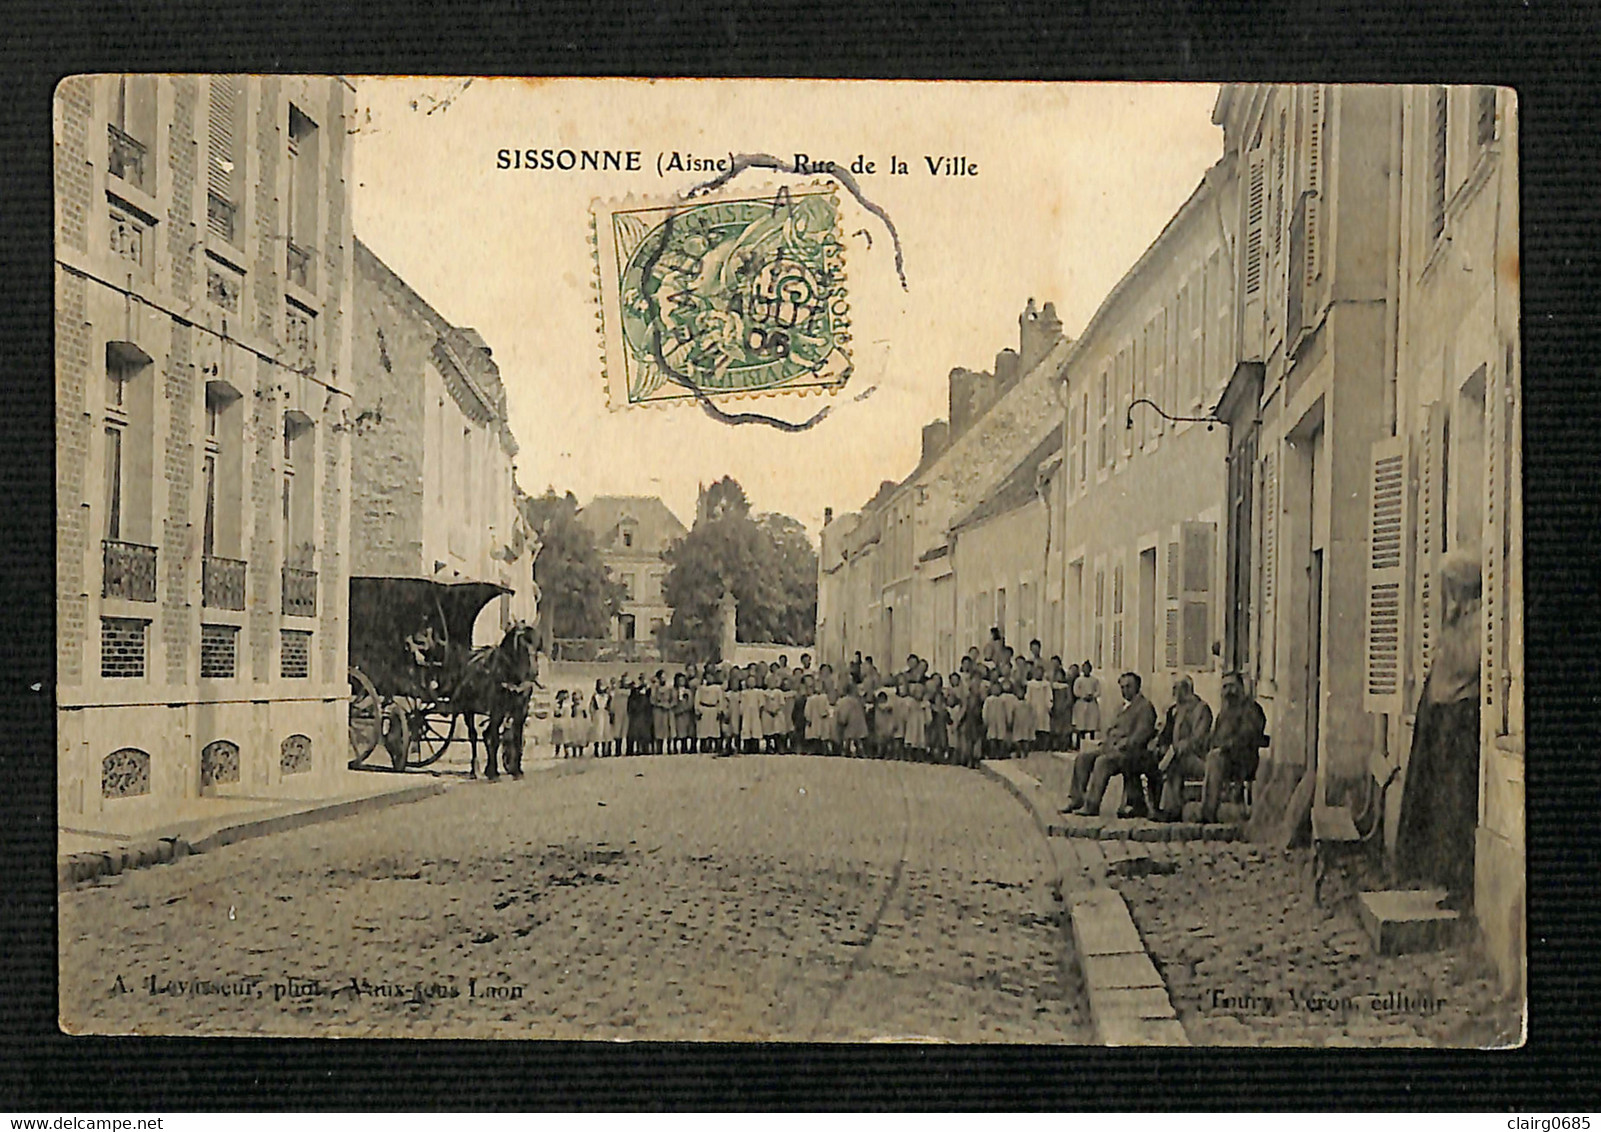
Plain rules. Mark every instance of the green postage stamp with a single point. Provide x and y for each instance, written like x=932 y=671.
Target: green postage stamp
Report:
x=722 y=296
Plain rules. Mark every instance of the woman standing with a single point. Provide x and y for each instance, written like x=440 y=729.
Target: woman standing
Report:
x=600 y=719
x=1434 y=842
x=683 y=712
x=708 y=703
x=619 y=716
x=1086 y=702
x=1061 y=706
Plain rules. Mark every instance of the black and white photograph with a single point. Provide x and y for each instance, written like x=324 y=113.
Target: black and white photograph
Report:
x=789 y=560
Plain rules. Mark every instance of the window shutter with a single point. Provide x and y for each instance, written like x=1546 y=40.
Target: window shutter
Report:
x=1255 y=211
x=1386 y=572
x=1314 y=186
x=1197 y=555
x=1501 y=666
x=1430 y=531
x=1438 y=110
x=1172 y=619
x=223 y=174
x=1270 y=562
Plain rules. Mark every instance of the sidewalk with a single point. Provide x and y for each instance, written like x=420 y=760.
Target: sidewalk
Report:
x=1199 y=937
x=147 y=831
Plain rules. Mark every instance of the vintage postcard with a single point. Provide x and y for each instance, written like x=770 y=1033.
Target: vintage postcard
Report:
x=789 y=560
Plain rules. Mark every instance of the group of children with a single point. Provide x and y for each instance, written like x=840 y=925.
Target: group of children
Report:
x=995 y=706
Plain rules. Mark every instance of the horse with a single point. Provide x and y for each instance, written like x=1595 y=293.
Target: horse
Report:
x=497 y=681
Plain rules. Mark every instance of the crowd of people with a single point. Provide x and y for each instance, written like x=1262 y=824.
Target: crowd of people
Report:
x=998 y=704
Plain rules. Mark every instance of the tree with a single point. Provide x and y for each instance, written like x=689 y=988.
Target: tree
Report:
x=766 y=562
x=577 y=596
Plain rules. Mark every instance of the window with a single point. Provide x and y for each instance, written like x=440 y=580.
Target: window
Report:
x=300 y=337
x=294 y=755
x=1100 y=612
x=132 y=132
x=127 y=234
x=299 y=527
x=128 y=429
x=224 y=159
x=1084 y=439
x=125 y=773
x=628 y=536
x=219 y=763
x=1101 y=447
x=113 y=482
x=295 y=654
x=1117 y=616
x=219 y=648
x=1438 y=124
x=628 y=581
x=303 y=167
x=122 y=647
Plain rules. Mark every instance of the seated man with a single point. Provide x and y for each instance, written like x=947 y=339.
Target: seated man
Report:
x=1236 y=743
x=1182 y=746
x=1125 y=750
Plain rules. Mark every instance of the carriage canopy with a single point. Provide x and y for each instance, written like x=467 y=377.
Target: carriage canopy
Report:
x=385 y=611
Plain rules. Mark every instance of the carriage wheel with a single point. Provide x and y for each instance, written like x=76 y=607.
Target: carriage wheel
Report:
x=431 y=737
x=397 y=735
x=366 y=717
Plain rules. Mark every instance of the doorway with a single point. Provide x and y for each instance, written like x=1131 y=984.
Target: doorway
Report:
x=625 y=626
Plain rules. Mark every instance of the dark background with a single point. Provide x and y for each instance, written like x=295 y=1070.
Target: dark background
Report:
x=1547 y=51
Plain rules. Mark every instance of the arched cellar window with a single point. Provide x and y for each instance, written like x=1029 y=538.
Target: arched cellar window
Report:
x=125 y=773
x=294 y=755
x=219 y=763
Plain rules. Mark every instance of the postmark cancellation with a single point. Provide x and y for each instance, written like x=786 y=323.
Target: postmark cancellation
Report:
x=721 y=296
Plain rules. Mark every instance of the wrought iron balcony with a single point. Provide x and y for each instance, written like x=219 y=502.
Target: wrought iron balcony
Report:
x=127 y=157
x=222 y=583
x=129 y=571
x=300 y=592
x=299 y=266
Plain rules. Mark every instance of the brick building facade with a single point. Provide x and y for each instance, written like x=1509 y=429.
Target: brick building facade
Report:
x=202 y=288
x=433 y=486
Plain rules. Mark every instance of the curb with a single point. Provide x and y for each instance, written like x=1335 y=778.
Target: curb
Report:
x=76 y=868
x=1129 y=1002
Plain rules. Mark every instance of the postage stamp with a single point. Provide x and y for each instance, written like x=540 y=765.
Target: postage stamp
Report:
x=719 y=296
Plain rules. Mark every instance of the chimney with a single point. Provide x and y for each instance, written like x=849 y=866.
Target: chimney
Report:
x=936 y=436
x=1038 y=333
x=1007 y=370
x=828 y=515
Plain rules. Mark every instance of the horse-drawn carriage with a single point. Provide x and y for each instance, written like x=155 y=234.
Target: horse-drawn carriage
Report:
x=416 y=681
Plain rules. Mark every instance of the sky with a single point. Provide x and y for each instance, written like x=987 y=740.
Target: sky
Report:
x=1073 y=183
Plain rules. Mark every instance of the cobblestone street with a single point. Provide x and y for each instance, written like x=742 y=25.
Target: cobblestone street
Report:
x=668 y=898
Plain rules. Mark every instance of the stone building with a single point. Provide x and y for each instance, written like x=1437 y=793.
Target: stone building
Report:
x=888 y=581
x=1375 y=407
x=1454 y=411
x=433 y=486
x=1000 y=554
x=1137 y=512
x=632 y=533
x=202 y=300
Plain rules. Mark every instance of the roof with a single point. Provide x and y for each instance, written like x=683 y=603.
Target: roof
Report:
x=659 y=525
x=1018 y=488
x=463 y=357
